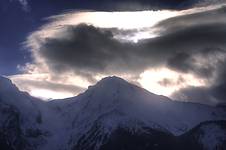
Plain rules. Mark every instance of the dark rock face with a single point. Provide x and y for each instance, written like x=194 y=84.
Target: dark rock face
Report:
x=204 y=130
x=90 y=140
x=11 y=135
x=150 y=139
x=123 y=139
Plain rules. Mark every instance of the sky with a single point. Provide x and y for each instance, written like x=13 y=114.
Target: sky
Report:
x=55 y=49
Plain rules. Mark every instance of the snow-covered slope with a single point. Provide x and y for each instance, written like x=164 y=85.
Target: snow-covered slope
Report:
x=115 y=95
x=113 y=102
x=209 y=135
x=213 y=135
x=20 y=118
x=35 y=122
x=93 y=117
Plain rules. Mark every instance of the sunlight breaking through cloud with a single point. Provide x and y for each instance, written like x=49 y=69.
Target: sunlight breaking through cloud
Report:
x=75 y=49
x=164 y=81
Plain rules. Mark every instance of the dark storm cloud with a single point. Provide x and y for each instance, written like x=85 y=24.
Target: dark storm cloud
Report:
x=195 y=19
x=95 y=50
x=87 y=48
x=168 y=82
x=133 y=5
x=191 y=38
x=202 y=63
x=214 y=70
x=211 y=94
x=147 y=4
x=181 y=61
x=196 y=95
x=194 y=43
x=204 y=53
x=200 y=34
x=125 y=5
x=205 y=36
x=206 y=95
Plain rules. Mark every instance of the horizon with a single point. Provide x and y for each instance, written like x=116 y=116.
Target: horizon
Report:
x=111 y=78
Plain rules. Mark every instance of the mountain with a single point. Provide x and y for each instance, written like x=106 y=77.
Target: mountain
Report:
x=20 y=118
x=113 y=114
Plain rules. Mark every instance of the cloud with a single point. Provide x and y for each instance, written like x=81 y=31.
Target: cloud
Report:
x=212 y=95
x=60 y=87
x=203 y=40
x=144 y=4
x=191 y=45
x=91 y=50
x=203 y=63
x=212 y=67
x=196 y=95
x=211 y=16
x=137 y=5
x=24 y=4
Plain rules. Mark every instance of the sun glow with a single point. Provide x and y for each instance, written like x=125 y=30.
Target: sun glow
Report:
x=49 y=94
x=130 y=20
x=122 y=20
x=135 y=20
x=164 y=81
x=48 y=86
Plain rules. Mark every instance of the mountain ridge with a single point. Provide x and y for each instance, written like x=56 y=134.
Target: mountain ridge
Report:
x=110 y=108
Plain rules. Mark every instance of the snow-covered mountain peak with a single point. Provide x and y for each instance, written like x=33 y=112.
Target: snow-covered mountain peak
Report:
x=115 y=93
x=11 y=95
x=94 y=116
x=111 y=83
x=116 y=98
x=112 y=79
